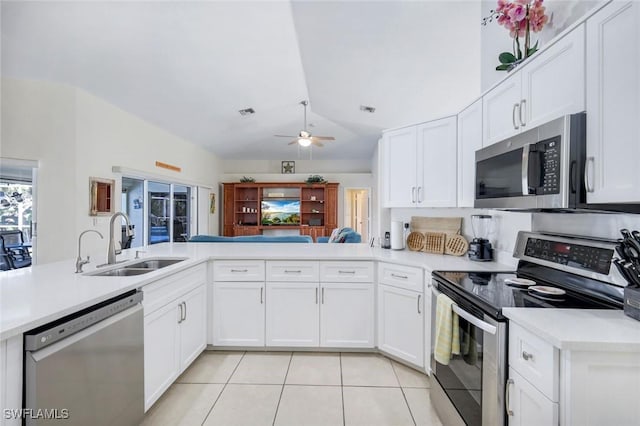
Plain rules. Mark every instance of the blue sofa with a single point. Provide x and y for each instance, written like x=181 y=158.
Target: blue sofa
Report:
x=345 y=235
x=251 y=239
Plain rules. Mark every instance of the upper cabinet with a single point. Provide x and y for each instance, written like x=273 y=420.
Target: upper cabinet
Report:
x=419 y=165
x=548 y=86
x=469 y=141
x=613 y=104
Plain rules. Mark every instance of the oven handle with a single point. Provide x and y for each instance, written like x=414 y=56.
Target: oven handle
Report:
x=474 y=320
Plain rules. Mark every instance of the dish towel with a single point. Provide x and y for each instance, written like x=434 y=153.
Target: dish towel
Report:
x=447 y=333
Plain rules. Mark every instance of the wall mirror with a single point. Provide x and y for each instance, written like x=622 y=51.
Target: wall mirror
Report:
x=101 y=196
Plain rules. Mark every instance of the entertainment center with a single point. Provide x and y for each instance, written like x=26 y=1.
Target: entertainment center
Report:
x=251 y=208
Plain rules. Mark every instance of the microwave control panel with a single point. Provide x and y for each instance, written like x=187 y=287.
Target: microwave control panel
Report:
x=588 y=258
x=550 y=154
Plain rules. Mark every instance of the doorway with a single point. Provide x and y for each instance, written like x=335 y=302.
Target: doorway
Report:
x=356 y=210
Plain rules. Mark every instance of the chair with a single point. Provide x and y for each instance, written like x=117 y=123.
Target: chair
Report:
x=342 y=235
x=14 y=253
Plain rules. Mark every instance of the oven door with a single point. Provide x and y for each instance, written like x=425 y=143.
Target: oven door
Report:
x=474 y=380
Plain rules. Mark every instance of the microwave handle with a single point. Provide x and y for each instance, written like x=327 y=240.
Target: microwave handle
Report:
x=525 y=169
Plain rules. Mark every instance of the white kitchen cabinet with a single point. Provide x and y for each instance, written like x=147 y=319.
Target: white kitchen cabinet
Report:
x=613 y=104
x=11 y=381
x=346 y=315
x=469 y=141
x=526 y=405
x=549 y=85
x=419 y=165
x=238 y=313
x=174 y=328
x=400 y=323
x=292 y=314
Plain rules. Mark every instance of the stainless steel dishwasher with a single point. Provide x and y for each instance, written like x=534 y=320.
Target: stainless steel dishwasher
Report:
x=87 y=368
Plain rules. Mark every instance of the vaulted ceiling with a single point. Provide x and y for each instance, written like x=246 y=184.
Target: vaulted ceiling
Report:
x=189 y=67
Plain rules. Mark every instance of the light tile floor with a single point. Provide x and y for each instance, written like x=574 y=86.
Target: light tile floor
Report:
x=297 y=389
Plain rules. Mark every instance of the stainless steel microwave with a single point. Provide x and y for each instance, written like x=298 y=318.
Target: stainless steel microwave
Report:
x=540 y=169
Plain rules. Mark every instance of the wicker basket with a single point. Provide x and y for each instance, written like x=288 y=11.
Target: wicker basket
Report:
x=434 y=242
x=456 y=245
x=415 y=241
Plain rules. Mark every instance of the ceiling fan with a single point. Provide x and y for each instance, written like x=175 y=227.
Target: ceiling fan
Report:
x=305 y=138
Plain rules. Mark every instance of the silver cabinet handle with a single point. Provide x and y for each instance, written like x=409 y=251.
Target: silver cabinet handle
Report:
x=323 y=295
x=239 y=270
x=404 y=277
x=181 y=313
x=346 y=272
x=527 y=356
x=316 y=295
x=513 y=116
x=507 y=397
x=419 y=296
x=261 y=295
x=587 y=174
x=185 y=311
x=413 y=194
x=523 y=112
x=419 y=194
x=296 y=271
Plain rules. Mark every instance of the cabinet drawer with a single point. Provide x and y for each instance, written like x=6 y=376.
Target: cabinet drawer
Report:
x=238 y=270
x=293 y=271
x=534 y=359
x=164 y=290
x=406 y=277
x=352 y=272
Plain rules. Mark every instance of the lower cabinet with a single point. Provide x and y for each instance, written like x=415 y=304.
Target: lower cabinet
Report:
x=400 y=323
x=238 y=313
x=174 y=329
x=526 y=405
x=11 y=381
x=293 y=314
x=346 y=315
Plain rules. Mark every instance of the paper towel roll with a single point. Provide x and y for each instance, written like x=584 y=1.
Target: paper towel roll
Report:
x=397 y=235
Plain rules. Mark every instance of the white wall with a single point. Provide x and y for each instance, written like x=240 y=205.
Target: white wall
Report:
x=251 y=167
x=495 y=38
x=75 y=135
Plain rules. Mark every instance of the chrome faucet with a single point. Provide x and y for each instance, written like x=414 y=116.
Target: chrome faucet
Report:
x=79 y=260
x=112 y=252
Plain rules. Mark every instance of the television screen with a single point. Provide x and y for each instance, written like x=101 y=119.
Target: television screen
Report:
x=280 y=212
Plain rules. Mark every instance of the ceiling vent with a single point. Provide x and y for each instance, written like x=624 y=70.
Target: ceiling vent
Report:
x=368 y=109
x=247 y=111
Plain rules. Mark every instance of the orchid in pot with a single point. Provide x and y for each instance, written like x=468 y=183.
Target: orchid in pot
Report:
x=520 y=18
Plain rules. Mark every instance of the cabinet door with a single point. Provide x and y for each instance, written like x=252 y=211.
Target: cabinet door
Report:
x=436 y=171
x=400 y=323
x=613 y=104
x=346 y=315
x=193 y=327
x=500 y=109
x=292 y=314
x=238 y=313
x=469 y=141
x=526 y=405
x=161 y=351
x=399 y=168
x=11 y=359
x=553 y=82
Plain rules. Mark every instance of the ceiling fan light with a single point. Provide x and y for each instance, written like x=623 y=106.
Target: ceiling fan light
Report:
x=304 y=141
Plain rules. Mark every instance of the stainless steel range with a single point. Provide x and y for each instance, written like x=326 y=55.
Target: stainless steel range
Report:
x=553 y=272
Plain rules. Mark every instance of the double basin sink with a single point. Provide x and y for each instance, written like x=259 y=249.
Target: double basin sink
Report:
x=138 y=268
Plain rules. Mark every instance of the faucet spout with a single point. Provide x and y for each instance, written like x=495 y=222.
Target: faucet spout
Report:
x=111 y=253
x=79 y=260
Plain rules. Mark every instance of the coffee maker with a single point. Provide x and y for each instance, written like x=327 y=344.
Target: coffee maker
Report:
x=480 y=248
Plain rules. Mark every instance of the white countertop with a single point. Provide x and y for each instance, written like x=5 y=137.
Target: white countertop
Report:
x=580 y=329
x=32 y=297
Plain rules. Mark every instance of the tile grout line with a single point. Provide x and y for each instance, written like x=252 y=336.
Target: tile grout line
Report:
x=275 y=416
x=344 y=420
x=393 y=367
x=223 y=388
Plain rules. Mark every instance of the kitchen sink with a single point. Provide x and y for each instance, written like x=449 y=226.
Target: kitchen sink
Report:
x=137 y=268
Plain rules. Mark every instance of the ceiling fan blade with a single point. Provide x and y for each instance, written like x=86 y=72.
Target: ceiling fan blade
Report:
x=318 y=144
x=293 y=141
x=284 y=136
x=324 y=138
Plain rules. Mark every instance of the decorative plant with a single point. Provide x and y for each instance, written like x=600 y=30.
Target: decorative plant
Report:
x=315 y=179
x=245 y=179
x=520 y=17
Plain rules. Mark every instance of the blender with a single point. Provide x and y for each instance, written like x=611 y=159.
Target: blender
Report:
x=480 y=248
